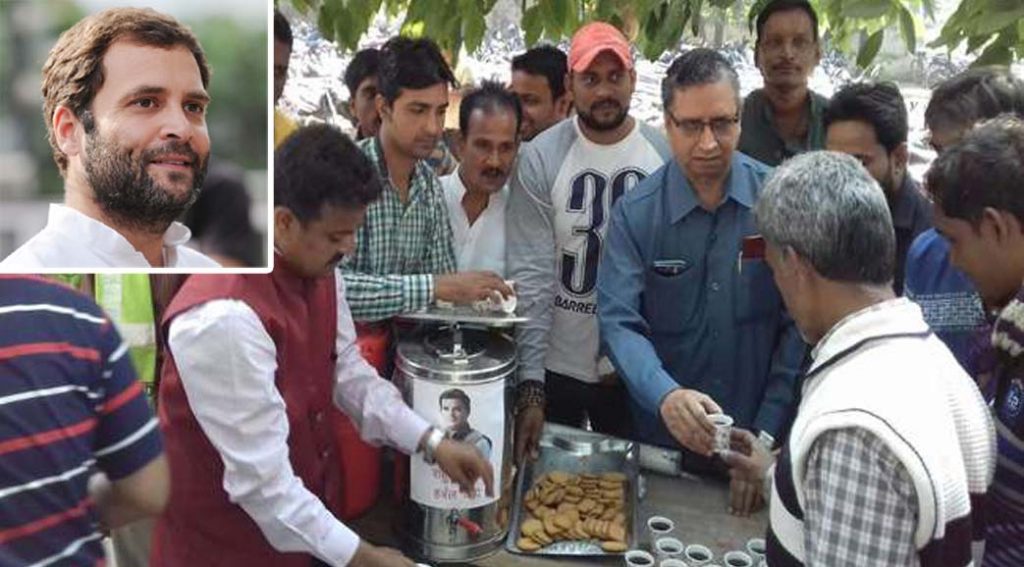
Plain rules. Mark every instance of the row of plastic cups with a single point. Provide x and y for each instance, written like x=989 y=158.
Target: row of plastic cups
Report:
x=673 y=554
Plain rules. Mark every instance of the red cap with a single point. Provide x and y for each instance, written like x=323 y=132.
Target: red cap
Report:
x=595 y=38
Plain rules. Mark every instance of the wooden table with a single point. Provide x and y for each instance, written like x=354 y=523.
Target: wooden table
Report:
x=697 y=506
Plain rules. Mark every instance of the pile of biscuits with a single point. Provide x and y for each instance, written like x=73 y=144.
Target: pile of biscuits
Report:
x=565 y=506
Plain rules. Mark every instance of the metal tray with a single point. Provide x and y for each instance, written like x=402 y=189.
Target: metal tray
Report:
x=464 y=314
x=577 y=451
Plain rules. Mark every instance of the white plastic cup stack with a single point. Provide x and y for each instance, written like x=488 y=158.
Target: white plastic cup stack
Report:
x=672 y=562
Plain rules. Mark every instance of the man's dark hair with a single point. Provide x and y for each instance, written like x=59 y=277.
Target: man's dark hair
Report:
x=318 y=166
x=489 y=97
x=282 y=29
x=786 y=6
x=454 y=394
x=975 y=94
x=982 y=170
x=878 y=104
x=545 y=61
x=700 y=66
x=407 y=63
x=364 y=65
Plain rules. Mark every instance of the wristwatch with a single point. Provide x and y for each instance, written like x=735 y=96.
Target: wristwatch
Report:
x=434 y=438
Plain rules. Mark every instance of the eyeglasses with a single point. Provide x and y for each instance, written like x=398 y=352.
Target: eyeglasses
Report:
x=720 y=127
x=799 y=45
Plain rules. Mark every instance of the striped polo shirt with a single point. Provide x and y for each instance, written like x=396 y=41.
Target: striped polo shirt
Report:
x=70 y=406
x=1004 y=545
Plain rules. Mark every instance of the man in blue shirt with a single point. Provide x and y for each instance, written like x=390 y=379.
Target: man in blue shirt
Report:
x=949 y=301
x=688 y=310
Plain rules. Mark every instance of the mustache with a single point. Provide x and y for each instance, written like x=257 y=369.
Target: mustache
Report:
x=493 y=172
x=172 y=148
x=607 y=103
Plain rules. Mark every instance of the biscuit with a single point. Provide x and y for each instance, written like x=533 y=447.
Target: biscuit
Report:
x=614 y=546
x=527 y=544
x=530 y=527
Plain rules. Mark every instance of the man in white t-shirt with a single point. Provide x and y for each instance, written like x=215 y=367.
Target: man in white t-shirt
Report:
x=565 y=184
x=476 y=194
x=125 y=97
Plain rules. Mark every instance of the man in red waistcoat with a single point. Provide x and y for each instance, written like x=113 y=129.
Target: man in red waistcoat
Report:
x=254 y=363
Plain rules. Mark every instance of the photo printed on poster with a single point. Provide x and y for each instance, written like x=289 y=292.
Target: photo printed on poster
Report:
x=471 y=413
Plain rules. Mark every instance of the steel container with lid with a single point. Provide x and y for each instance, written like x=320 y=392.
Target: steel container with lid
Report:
x=459 y=380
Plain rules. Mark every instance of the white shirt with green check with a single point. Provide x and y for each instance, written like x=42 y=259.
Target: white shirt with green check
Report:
x=400 y=246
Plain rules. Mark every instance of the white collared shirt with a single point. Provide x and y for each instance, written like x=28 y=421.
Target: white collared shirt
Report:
x=480 y=246
x=73 y=240
x=227 y=363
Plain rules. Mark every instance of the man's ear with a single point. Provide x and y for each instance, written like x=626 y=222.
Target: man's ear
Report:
x=382 y=107
x=284 y=224
x=795 y=263
x=460 y=141
x=900 y=156
x=68 y=131
x=1004 y=226
x=563 y=103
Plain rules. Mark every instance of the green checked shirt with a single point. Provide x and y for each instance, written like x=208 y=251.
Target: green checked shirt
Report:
x=400 y=246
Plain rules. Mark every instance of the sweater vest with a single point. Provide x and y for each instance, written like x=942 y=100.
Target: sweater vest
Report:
x=906 y=388
x=200 y=525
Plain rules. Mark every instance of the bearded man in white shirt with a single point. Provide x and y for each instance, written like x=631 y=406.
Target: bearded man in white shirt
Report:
x=254 y=363
x=477 y=192
x=125 y=104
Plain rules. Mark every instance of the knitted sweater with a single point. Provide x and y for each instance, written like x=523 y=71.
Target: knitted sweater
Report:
x=882 y=370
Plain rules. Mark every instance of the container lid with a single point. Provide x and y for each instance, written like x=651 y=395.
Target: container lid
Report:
x=455 y=354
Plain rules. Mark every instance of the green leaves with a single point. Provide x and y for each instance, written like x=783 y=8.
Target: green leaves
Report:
x=866 y=9
x=907 y=29
x=870 y=48
x=993 y=30
x=994 y=27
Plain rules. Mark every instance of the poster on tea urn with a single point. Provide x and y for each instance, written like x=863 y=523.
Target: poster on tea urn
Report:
x=471 y=413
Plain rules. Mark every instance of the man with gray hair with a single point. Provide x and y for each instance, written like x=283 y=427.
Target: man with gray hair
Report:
x=688 y=311
x=892 y=450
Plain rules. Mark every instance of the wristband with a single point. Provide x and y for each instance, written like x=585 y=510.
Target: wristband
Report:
x=430 y=445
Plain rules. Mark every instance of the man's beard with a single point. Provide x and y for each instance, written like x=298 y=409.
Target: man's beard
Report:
x=593 y=123
x=128 y=194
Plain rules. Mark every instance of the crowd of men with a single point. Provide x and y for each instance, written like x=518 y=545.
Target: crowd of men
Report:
x=767 y=257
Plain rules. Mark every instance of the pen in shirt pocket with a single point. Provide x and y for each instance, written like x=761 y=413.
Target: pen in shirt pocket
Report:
x=752 y=248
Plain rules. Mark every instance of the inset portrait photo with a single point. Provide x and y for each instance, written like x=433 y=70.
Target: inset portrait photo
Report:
x=139 y=135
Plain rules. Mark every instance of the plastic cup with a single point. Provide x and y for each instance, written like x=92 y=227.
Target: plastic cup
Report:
x=737 y=559
x=756 y=548
x=668 y=547
x=723 y=430
x=698 y=555
x=658 y=527
x=638 y=558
